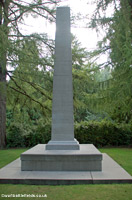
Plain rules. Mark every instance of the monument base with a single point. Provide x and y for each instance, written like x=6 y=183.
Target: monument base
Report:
x=88 y=158
x=63 y=145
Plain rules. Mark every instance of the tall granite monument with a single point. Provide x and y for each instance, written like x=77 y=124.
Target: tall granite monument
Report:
x=62 y=106
x=63 y=152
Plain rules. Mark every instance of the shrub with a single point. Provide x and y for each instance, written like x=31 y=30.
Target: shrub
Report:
x=41 y=135
x=15 y=135
x=20 y=135
x=104 y=133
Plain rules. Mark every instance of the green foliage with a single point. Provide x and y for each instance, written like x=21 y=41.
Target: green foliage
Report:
x=27 y=136
x=83 y=80
x=40 y=135
x=104 y=133
x=100 y=133
x=30 y=86
x=115 y=97
x=15 y=135
x=23 y=53
x=97 y=116
x=29 y=90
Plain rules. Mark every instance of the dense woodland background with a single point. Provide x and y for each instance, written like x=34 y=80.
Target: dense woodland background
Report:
x=102 y=92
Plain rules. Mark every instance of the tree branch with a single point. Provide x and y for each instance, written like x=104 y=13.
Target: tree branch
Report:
x=23 y=92
x=36 y=88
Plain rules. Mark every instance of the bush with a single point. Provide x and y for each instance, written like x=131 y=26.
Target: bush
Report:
x=41 y=135
x=20 y=135
x=15 y=135
x=104 y=133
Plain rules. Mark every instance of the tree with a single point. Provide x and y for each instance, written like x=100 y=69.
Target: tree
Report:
x=83 y=81
x=29 y=96
x=118 y=45
x=30 y=81
x=12 y=13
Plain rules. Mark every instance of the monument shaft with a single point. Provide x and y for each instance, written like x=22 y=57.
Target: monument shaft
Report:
x=62 y=106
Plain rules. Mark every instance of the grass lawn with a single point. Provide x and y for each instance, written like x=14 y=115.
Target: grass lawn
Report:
x=121 y=155
x=72 y=192
x=8 y=155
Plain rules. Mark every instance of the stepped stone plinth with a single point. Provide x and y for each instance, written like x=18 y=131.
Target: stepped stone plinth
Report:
x=88 y=158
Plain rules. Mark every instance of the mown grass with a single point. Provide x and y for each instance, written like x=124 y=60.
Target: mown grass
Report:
x=123 y=156
x=8 y=155
x=72 y=192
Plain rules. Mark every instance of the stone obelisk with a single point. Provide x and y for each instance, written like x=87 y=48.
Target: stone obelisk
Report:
x=63 y=152
x=62 y=137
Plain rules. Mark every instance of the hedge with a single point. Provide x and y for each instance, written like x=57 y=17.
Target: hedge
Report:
x=104 y=133
x=27 y=136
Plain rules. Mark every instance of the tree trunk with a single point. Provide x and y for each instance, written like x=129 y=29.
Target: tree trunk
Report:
x=2 y=108
x=3 y=52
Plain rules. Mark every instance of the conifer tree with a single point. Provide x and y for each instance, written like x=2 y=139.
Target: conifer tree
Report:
x=12 y=13
x=118 y=45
